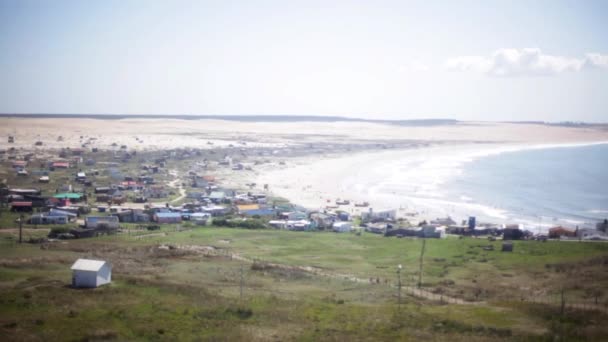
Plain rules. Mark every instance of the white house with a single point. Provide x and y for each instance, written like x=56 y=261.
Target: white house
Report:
x=591 y=234
x=342 y=227
x=97 y=221
x=91 y=273
x=383 y=215
x=201 y=219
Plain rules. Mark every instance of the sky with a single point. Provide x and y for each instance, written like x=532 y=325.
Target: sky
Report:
x=465 y=60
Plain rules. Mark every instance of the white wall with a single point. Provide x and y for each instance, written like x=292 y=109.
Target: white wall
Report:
x=84 y=278
x=92 y=278
x=104 y=276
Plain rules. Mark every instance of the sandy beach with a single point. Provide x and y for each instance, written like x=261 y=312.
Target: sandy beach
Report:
x=409 y=181
x=169 y=133
x=314 y=163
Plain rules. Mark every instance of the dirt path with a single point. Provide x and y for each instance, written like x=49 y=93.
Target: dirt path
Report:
x=177 y=184
x=416 y=292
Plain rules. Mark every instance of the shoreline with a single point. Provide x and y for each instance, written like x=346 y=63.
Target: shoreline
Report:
x=359 y=178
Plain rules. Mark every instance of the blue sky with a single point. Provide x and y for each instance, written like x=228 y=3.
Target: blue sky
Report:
x=468 y=60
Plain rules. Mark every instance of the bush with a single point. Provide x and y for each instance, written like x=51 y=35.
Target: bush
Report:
x=56 y=231
x=247 y=224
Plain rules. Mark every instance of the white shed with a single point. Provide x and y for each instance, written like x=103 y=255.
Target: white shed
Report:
x=342 y=227
x=91 y=273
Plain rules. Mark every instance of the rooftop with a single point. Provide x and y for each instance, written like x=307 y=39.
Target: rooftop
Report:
x=88 y=265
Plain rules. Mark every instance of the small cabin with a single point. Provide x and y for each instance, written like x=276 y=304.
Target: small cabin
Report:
x=89 y=273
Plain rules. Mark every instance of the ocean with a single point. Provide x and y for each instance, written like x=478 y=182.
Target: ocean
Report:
x=538 y=187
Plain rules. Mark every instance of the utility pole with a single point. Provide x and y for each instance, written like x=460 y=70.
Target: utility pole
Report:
x=241 y=283
x=21 y=228
x=421 y=258
x=399 y=286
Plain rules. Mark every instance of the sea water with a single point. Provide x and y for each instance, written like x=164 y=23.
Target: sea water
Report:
x=539 y=187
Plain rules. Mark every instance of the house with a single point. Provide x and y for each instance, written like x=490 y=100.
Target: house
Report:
x=103 y=198
x=195 y=195
x=21 y=206
x=89 y=273
x=217 y=196
x=94 y=222
x=60 y=165
x=260 y=212
x=56 y=212
x=77 y=151
x=298 y=225
x=342 y=227
x=404 y=232
x=591 y=234
x=279 y=224
x=19 y=164
x=72 y=196
x=81 y=176
x=215 y=210
x=294 y=215
x=201 y=219
x=22 y=192
x=431 y=231
x=102 y=189
x=558 y=232
x=242 y=208
x=322 y=220
x=377 y=228
x=446 y=221
x=132 y=216
x=343 y=215
x=372 y=215
x=131 y=185
x=168 y=217
x=156 y=191
x=512 y=233
x=459 y=230
x=54 y=216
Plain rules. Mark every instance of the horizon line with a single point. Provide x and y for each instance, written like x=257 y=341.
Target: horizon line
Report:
x=285 y=117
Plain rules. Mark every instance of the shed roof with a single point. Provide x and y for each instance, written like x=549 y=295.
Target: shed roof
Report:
x=55 y=212
x=217 y=194
x=21 y=204
x=244 y=207
x=69 y=195
x=168 y=215
x=88 y=265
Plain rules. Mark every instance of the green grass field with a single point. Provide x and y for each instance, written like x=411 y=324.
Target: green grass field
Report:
x=178 y=291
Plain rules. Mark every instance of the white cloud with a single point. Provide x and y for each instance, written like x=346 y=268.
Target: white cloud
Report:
x=524 y=62
x=597 y=60
x=413 y=66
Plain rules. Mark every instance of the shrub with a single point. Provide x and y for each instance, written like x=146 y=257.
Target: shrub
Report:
x=56 y=231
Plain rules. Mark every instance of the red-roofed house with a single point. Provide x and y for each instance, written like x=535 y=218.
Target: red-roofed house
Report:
x=132 y=185
x=557 y=232
x=21 y=206
x=77 y=151
x=61 y=165
x=19 y=163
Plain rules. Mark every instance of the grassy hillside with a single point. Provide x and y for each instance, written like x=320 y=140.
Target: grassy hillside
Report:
x=187 y=286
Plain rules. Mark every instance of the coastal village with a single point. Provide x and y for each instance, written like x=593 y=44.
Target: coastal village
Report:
x=84 y=191
x=95 y=229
